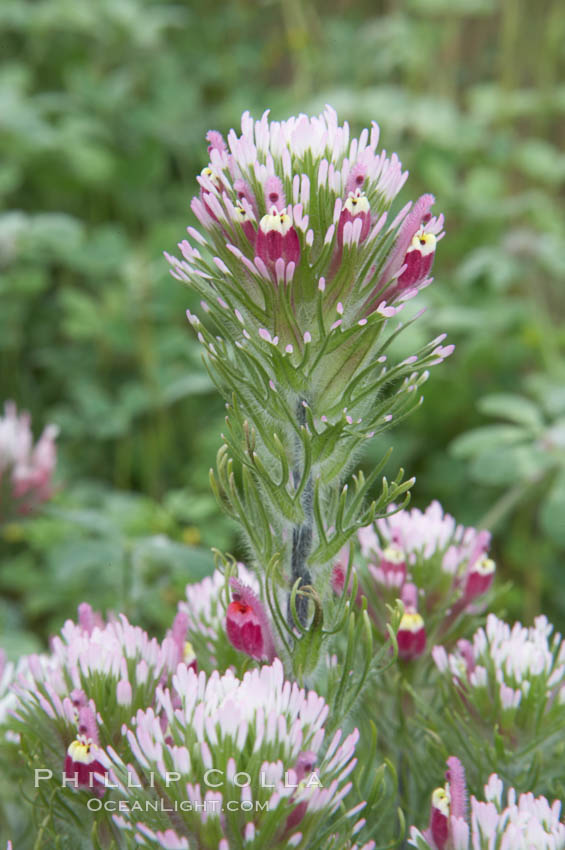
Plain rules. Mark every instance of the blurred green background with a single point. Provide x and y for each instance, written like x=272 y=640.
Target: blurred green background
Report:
x=104 y=105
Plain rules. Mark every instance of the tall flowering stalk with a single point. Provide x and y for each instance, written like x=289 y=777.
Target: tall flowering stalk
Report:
x=302 y=274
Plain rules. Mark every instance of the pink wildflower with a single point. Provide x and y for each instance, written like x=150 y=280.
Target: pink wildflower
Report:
x=29 y=468
x=247 y=624
x=411 y=635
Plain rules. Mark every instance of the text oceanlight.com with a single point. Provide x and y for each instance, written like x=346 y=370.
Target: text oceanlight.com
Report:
x=206 y=806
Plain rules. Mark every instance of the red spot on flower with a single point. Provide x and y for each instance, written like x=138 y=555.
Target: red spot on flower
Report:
x=244 y=629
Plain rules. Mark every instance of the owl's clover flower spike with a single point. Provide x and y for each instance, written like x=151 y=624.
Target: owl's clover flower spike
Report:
x=300 y=269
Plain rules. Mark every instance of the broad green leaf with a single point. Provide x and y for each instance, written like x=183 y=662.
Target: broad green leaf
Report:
x=509 y=464
x=486 y=438
x=518 y=409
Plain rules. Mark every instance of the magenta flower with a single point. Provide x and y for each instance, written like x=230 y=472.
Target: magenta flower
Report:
x=480 y=574
x=411 y=635
x=448 y=808
x=199 y=629
x=81 y=761
x=247 y=624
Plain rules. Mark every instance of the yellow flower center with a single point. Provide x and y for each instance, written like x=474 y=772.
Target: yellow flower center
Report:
x=243 y=215
x=423 y=242
x=188 y=654
x=441 y=800
x=411 y=622
x=211 y=175
x=279 y=221
x=485 y=567
x=80 y=750
x=394 y=555
x=357 y=203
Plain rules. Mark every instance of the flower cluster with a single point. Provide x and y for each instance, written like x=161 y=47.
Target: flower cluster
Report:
x=296 y=213
x=25 y=470
x=507 y=688
x=438 y=569
x=524 y=822
x=293 y=202
x=504 y=665
x=68 y=704
x=242 y=757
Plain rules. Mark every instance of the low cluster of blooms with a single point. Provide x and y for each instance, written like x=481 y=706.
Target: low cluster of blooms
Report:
x=438 y=568
x=244 y=757
x=504 y=668
x=26 y=470
x=254 y=745
x=523 y=823
x=506 y=688
x=76 y=698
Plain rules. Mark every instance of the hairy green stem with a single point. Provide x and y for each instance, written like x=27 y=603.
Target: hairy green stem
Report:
x=301 y=534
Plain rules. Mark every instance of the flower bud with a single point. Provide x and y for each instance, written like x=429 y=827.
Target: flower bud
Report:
x=274 y=194
x=457 y=787
x=123 y=692
x=216 y=141
x=247 y=625
x=411 y=636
